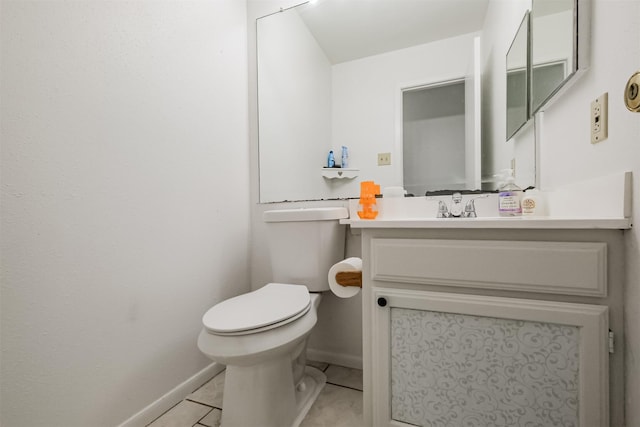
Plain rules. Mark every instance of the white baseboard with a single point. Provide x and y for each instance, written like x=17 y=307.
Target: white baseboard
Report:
x=178 y=393
x=335 y=358
x=173 y=397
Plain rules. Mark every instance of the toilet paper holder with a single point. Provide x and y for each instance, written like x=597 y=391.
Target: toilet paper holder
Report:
x=349 y=278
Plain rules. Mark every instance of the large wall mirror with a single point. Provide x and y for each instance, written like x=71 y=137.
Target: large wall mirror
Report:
x=332 y=74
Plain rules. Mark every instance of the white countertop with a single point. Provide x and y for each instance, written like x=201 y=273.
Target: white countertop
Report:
x=601 y=203
x=522 y=222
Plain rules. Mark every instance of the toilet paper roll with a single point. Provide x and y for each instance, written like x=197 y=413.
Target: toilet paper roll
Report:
x=349 y=264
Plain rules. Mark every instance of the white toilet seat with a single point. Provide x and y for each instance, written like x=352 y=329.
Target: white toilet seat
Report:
x=272 y=306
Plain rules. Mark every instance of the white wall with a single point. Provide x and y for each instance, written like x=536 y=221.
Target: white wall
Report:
x=125 y=199
x=567 y=156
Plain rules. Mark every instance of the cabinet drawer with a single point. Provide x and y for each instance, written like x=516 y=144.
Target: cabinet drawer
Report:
x=570 y=268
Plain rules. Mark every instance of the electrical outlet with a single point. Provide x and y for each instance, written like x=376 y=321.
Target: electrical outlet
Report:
x=384 y=159
x=599 y=118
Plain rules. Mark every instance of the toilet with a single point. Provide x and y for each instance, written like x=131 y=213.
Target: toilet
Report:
x=261 y=336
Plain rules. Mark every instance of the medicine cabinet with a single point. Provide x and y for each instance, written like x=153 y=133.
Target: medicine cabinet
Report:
x=556 y=51
x=518 y=79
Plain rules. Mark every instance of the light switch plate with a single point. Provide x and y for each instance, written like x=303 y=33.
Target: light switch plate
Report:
x=384 y=159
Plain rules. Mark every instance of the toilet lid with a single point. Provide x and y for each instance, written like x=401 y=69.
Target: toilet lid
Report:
x=274 y=303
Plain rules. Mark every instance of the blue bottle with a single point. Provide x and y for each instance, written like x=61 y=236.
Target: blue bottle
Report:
x=345 y=157
x=331 y=161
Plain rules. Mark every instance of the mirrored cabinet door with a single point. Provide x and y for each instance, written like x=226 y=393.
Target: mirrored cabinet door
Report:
x=518 y=79
x=553 y=47
x=549 y=51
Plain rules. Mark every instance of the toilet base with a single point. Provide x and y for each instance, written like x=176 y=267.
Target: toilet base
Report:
x=267 y=397
x=314 y=381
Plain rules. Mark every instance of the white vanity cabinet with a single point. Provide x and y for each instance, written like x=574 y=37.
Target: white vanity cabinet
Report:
x=500 y=327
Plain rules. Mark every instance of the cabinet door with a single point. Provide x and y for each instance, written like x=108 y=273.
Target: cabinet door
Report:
x=446 y=359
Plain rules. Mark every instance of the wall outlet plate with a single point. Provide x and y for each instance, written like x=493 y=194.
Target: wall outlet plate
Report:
x=384 y=159
x=599 y=121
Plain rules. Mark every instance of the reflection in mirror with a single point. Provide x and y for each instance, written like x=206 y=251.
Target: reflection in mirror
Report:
x=312 y=99
x=517 y=79
x=434 y=138
x=328 y=76
x=553 y=50
x=294 y=101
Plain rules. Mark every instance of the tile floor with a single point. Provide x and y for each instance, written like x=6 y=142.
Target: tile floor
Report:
x=338 y=405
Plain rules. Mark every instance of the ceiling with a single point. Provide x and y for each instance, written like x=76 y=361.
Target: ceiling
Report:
x=352 y=29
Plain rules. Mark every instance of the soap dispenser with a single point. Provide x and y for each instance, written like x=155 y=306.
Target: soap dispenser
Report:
x=510 y=195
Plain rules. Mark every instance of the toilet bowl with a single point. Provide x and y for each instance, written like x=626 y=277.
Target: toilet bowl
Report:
x=265 y=383
x=261 y=336
x=250 y=327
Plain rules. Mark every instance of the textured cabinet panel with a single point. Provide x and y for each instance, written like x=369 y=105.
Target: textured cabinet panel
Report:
x=551 y=267
x=456 y=369
x=472 y=360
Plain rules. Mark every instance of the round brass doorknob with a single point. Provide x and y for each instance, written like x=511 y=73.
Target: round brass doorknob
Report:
x=632 y=93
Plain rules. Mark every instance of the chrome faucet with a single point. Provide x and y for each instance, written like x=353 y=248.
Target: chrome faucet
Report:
x=457 y=211
x=443 y=211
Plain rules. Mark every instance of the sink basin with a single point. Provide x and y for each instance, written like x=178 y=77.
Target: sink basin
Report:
x=412 y=208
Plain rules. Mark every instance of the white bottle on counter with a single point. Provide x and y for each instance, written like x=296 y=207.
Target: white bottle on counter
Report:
x=533 y=203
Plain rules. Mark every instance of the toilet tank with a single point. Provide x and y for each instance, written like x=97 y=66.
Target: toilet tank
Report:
x=304 y=244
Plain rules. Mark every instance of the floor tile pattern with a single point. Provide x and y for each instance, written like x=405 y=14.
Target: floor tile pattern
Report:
x=338 y=405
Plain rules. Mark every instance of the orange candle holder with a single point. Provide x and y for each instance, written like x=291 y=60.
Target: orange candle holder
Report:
x=368 y=191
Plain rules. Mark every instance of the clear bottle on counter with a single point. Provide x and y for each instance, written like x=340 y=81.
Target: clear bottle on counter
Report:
x=510 y=196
